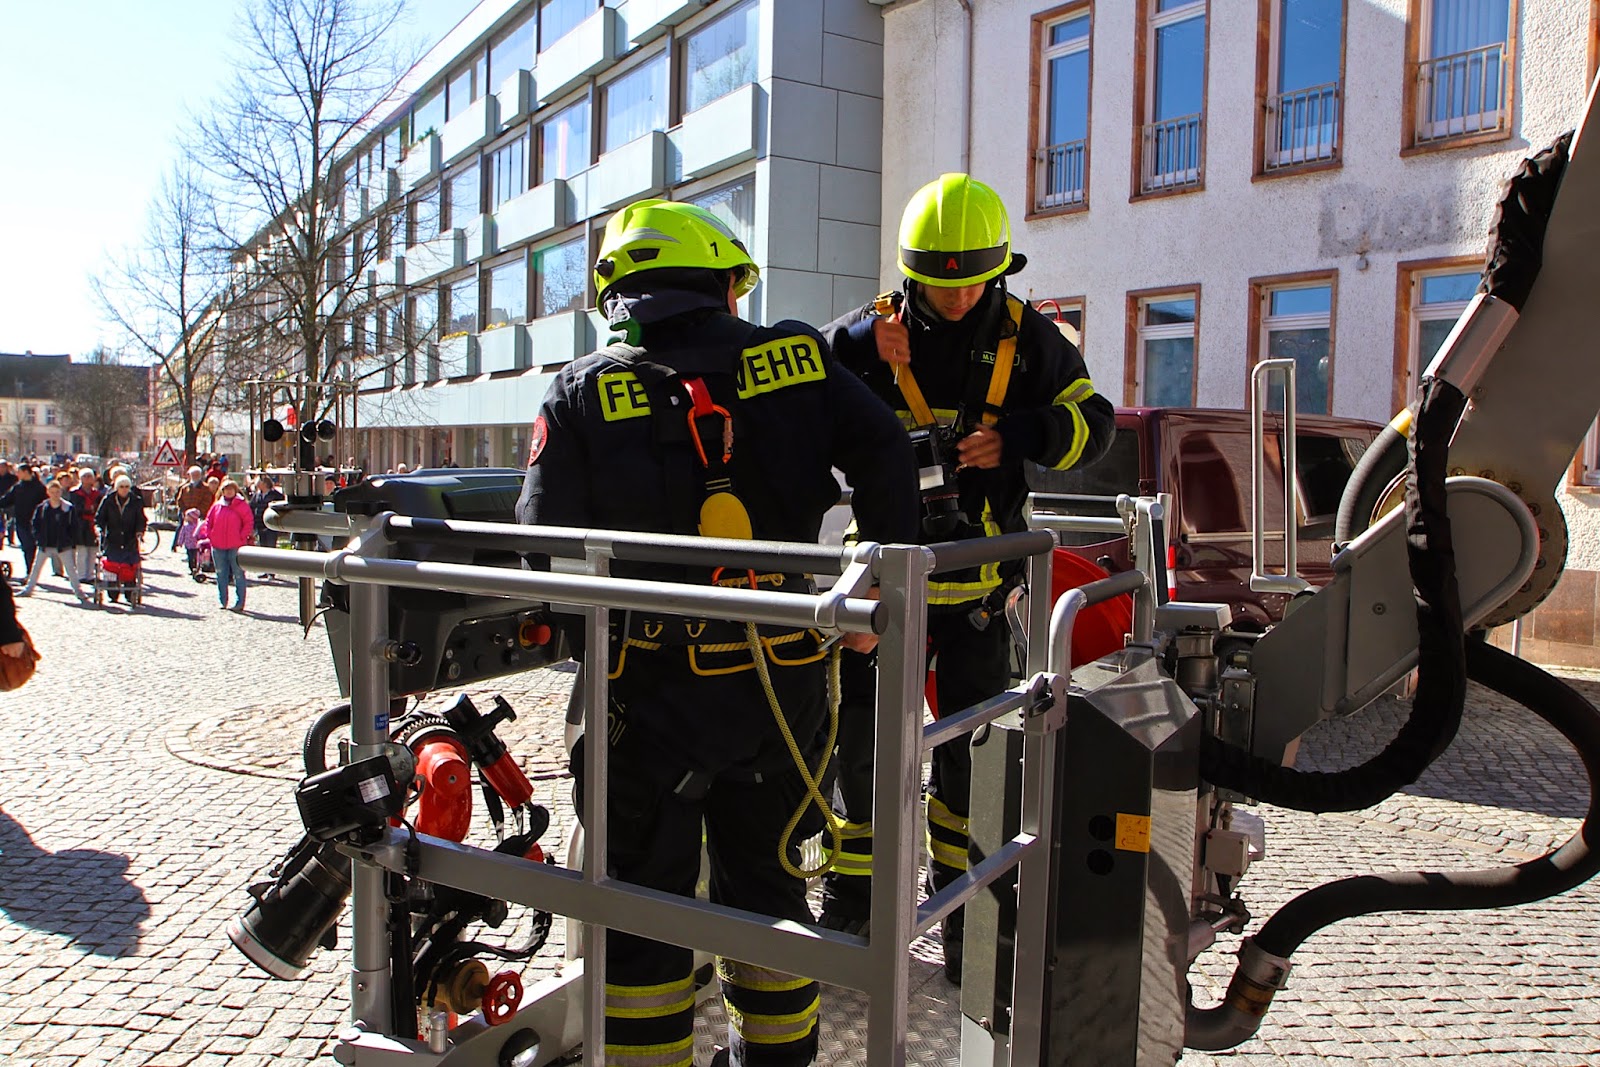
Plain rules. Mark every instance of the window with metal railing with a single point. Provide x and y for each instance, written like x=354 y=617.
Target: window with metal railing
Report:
x=1461 y=94
x=1171 y=153
x=1061 y=153
x=1301 y=82
x=1171 y=143
x=1462 y=69
x=1303 y=126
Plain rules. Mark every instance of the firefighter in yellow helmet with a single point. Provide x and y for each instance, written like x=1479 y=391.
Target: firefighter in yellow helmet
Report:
x=985 y=385
x=708 y=424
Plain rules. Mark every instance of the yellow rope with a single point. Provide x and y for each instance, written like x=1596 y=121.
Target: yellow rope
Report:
x=813 y=789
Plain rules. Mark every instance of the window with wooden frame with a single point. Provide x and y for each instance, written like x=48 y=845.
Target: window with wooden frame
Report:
x=1292 y=317
x=1170 y=103
x=1059 y=177
x=1431 y=296
x=1163 y=347
x=1460 y=72
x=1299 y=84
x=1594 y=41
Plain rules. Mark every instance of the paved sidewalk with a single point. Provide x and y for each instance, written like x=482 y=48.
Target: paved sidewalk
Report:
x=148 y=776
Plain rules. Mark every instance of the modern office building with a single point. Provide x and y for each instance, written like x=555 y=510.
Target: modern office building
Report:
x=1200 y=184
x=484 y=191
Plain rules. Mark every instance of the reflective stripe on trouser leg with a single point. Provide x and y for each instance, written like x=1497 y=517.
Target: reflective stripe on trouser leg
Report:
x=772 y=1016
x=854 y=858
x=651 y=1025
x=947 y=835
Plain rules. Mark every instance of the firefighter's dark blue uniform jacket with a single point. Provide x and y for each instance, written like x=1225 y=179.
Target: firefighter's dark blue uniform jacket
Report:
x=1052 y=414
x=696 y=755
x=600 y=458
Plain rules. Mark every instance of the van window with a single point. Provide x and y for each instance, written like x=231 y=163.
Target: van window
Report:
x=1323 y=465
x=1117 y=472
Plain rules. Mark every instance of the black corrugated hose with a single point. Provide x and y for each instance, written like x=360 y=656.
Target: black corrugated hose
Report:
x=1441 y=687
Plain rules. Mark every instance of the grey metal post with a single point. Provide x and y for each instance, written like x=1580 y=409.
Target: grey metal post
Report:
x=370 y=1004
x=597 y=738
x=902 y=670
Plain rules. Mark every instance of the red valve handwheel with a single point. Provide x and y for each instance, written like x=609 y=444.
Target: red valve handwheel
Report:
x=502 y=998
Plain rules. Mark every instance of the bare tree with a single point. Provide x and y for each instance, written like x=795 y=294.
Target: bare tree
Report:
x=169 y=295
x=100 y=396
x=309 y=75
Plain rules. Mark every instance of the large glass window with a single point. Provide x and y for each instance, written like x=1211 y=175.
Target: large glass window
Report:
x=466 y=195
x=1061 y=156
x=634 y=104
x=429 y=114
x=721 y=56
x=508 y=171
x=1170 y=141
x=564 y=142
x=467 y=84
x=506 y=293
x=424 y=325
x=1461 y=75
x=1166 y=345
x=1297 y=324
x=562 y=277
x=1303 y=94
x=461 y=310
x=514 y=49
x=735 y=205
x=393 y=332
x=425 y=215
x=557 y=18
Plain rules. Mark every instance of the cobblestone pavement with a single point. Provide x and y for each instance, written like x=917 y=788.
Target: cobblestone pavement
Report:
x=147 y=781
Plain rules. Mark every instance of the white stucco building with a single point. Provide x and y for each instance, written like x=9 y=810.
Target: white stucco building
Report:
x=1200 y=183
x=486 y=190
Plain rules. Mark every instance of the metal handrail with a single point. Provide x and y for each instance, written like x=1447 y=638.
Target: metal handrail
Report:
x=1462 y=93
x=1298 y=119
x=1289 y=581
x=1171 y=153
x=877 y=965
x=1060 y=179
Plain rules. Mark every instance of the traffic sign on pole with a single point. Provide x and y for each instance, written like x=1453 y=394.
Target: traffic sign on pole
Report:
x=166 y=456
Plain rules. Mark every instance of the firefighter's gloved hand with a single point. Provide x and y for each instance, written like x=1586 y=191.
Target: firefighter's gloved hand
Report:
x=862 y=643
x=893 y=340
x=981 y=448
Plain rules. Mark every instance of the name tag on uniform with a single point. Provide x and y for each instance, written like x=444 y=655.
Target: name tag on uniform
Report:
x=778 y=364
x=622 y=396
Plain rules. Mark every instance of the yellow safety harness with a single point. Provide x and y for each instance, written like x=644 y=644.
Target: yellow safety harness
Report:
x=1005 y=355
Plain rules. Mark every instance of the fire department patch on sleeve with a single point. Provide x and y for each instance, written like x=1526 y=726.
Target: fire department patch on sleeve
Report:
x=541 y=435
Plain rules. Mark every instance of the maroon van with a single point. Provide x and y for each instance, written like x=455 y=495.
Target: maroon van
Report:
x=1201 y=456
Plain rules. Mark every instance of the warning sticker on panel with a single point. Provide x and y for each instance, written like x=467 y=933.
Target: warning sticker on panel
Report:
x=376 y=789
x=1133 y=832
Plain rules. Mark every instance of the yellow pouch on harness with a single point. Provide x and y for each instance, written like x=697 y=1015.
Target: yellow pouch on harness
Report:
x=724 y=515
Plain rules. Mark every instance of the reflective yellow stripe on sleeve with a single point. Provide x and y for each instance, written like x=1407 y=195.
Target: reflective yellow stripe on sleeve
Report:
x=1070 y=398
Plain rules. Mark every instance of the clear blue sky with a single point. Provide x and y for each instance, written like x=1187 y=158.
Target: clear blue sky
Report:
x=96 y=92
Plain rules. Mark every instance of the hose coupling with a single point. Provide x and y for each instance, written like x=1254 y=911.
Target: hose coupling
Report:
x=1257 y=980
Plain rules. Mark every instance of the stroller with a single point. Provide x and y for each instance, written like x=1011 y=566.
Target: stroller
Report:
x=115 y=578
x=203 y=568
